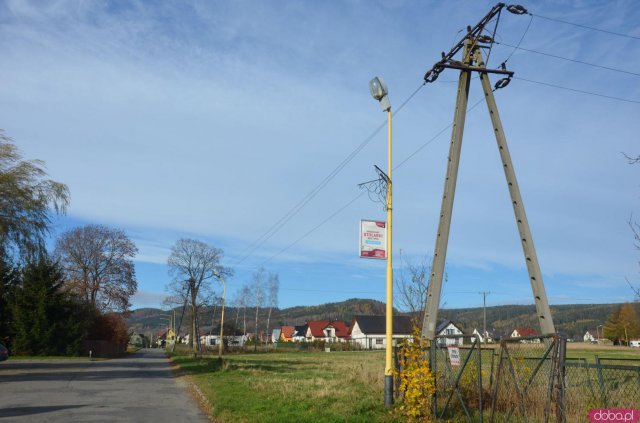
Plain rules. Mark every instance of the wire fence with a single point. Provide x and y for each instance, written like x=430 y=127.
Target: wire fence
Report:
x=527 y=379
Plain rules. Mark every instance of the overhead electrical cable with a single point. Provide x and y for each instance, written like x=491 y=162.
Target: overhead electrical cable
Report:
x=521 y=39
x=627 y=100
x=278 y=225
x=633 y=37
x=570 y=60
x=353 y=200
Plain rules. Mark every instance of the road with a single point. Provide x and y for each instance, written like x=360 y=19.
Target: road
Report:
x=139 y=388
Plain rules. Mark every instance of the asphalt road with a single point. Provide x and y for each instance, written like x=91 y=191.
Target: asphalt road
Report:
x=139 y=388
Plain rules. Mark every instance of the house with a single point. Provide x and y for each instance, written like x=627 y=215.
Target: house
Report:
x=275 y=335
x=523 y=332
x=286 y=333
x=328 y=331
x=370 y=331
x=299 y=333
x=449 y=329
x=588 y=337
x=485 y=338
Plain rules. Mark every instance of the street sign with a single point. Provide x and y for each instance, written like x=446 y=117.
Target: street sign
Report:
x=373 y=239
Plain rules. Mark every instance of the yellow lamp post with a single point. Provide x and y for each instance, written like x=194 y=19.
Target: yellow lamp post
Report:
x=224 y=295
x=379 y=92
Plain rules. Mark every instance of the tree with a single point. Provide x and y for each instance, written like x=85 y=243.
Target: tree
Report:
x=273 y=286
x=98 y=264
x=47 y=320
x=26 y=196
x=622 y=324
x=192 y=263
x=258 y=297
x=9 y=280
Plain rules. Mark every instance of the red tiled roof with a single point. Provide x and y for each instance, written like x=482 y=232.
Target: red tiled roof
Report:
x=318 y=326
x=342 y=330
x=287 y=331
x=527 y=331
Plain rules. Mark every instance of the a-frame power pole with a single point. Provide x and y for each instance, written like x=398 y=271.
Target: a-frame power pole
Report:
x=472 y=61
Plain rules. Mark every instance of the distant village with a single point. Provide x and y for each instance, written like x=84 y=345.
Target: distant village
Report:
x=364 y=333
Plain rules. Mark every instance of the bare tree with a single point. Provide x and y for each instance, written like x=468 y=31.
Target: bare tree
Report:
x=257 y=286
x=411 y=287
x=192 y=263
x=98 y=265
x=273 y=286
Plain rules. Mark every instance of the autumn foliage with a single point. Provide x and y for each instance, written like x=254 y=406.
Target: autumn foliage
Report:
x=417 y=384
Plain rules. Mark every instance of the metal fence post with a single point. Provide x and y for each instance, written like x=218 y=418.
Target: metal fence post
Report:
x=562 y=356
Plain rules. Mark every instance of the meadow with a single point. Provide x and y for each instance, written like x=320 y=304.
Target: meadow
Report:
x=295 y=386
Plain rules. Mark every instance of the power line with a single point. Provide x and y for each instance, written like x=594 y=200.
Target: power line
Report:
x=569 y=60
x=353 y=200
x=633 y=37
x=519 y=42
x=578 y=91
x=279 y=224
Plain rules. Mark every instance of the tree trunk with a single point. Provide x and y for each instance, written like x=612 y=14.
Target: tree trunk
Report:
x=268 y=321
x=255 y=346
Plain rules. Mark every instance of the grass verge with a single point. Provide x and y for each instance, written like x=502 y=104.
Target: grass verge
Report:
x=291 y=386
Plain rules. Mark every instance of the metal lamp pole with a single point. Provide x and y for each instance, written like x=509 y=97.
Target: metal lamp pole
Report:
x=224 y=295
x=379 y=92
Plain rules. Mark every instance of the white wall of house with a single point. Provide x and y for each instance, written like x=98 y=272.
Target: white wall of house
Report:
x=588 y=337
x=372 y=341
x=450 y=329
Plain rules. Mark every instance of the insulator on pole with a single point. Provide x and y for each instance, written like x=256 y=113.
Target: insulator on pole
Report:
x=484 y=39
x=517 y=9
x=502 y=83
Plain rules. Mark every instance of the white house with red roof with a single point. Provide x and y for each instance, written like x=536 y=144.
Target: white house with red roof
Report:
x=326 y=330
x=526 y=331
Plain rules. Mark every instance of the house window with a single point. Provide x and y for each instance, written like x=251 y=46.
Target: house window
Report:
x=450 y=332
x=378 y=341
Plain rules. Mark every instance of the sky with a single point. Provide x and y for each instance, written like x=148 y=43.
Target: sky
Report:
x=213 y=120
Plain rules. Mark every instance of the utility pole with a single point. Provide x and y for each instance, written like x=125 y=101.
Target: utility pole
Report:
x=484 y=314
x=472 y=61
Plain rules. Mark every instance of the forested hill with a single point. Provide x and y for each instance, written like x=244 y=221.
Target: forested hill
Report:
x=574 y=320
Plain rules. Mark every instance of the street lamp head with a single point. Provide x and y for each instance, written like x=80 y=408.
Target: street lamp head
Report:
x=379 y=91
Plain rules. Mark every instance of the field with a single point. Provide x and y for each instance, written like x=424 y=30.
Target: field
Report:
x=312 y=386
x=291 y=386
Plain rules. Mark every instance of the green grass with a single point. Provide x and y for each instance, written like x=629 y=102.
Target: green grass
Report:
x=590 y=352
x=292 y=386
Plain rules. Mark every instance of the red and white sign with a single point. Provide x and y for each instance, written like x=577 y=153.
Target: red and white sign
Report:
x=373 y=239
x=454 y=356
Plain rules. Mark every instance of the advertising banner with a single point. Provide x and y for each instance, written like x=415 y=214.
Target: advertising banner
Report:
x=373 y=239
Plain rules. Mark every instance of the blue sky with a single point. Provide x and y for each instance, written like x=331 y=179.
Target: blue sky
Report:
x=211 y=120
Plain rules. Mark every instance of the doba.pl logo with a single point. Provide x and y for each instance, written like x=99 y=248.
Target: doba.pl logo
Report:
x=614 y=415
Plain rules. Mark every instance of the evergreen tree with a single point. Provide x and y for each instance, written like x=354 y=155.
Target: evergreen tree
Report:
x=9 y=277
x=46 y=320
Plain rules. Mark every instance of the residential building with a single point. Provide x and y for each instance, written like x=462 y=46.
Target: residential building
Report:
x=370 y=331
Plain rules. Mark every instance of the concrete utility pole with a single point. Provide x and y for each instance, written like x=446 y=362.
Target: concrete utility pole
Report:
x=484 y=315
x=472 y=61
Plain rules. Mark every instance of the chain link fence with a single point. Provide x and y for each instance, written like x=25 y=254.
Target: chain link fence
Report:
x=527 y=379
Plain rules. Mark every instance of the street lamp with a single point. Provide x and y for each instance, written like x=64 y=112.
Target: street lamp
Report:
x=224 y=295
x=379 y=92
